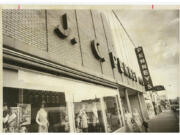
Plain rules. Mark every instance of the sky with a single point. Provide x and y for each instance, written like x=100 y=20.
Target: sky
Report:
x=157 y=31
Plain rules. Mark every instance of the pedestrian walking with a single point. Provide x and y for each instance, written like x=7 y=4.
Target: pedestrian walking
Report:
x=146 y=125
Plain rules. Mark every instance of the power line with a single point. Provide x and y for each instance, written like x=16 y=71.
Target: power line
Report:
x=115 y=34
x=123 y=28
x=125 y=32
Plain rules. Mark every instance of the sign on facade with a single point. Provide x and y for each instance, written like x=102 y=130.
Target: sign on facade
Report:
x=158 y=88
x=144 y=68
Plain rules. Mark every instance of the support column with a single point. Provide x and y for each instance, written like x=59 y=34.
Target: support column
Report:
x=118 y=109
x=121 y=110
x=127 y=100
x=70 y=110
x=140 y=104
x=104 y=114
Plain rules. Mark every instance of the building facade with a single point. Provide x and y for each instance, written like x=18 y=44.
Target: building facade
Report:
x=67 y=60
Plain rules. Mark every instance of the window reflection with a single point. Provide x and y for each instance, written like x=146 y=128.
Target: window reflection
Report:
x=91 y=113
x=57 y=115
x=88 y=116
x=111 y=108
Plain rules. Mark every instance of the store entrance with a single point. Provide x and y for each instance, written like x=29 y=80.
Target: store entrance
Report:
x=27 y=109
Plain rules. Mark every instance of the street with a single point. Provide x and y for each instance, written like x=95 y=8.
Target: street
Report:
x=164 y=122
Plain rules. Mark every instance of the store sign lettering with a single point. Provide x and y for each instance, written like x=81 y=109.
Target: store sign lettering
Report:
x=134 y=77
x=95 y=50
x=122 y=68
x=113 y=60
x=142 y=61
x=125 y=70
x=140 y=81
x=149 y=86
x=144 y=68
x=63 y=30
x=130 y=73
x=140 y=55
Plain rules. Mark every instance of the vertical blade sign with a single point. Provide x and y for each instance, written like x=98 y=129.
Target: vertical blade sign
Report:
x=144 y=68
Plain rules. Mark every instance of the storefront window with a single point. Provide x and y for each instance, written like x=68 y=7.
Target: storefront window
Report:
x=97 y=110
x=88 y=116
x=34 y=111
x=112 y=113
x=72 y=107
x=90 y=113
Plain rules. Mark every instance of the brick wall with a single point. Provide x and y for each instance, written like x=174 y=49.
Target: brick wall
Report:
x=58 y=48
x=27 y=26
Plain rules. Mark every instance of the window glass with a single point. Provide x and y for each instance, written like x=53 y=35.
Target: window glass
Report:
x=112 y=113
x=105 y=102
x=90 y=112
x=31 y=108
x=88 y=116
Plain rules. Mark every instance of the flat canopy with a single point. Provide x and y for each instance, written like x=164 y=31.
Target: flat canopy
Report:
x=75 y=90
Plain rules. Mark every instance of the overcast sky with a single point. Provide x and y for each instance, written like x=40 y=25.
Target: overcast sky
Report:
x=157 y=31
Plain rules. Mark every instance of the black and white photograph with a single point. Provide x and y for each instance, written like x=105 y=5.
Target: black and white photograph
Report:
x=93 y=70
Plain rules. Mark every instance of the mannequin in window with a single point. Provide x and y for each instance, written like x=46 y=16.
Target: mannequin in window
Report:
x=83 y=119
x=41 y=119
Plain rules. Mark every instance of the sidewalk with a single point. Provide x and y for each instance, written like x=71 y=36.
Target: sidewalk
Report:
x=164 y=122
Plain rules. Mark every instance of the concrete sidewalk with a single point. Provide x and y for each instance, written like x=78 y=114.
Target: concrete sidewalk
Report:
x=164 y=122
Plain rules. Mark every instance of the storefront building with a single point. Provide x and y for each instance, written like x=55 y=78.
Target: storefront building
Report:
x=61 y=67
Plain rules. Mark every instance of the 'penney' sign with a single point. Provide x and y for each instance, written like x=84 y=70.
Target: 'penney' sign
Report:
x=144 y=68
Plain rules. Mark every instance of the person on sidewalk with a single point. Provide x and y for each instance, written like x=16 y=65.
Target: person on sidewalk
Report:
x=146 y=125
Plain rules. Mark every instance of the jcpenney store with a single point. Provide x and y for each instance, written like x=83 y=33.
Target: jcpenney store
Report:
x=59 y=67
x=64 y=99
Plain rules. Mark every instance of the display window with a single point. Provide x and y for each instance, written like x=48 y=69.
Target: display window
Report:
x=60 y=105
x=88 y=116
x=112 y=113
x=97 y=111
x=35 y=111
